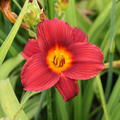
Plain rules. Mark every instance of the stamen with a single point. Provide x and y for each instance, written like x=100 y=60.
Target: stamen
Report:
x=59 y=61
x=55 y=61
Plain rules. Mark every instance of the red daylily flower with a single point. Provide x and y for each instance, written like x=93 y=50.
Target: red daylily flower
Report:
x=59 y=57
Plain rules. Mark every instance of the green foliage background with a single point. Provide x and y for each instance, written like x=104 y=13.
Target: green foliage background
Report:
x=99 y=98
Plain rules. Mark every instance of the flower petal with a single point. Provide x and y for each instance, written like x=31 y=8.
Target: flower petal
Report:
x=52 y=32
x=55 y=31
x=87 y=61
x=36 y=76
x=79 y=36
x=31 y=48
x=67 y=88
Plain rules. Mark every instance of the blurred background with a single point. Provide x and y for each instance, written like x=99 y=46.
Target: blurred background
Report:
x=98 y=99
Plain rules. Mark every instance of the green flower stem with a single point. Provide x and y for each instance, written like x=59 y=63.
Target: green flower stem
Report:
x=115 y=64
x=111 y=49
x=103 y=103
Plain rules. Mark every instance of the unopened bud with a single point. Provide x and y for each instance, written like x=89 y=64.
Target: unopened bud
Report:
x=32 y=16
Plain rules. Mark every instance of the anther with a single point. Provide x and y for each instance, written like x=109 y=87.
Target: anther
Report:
x=55 y=61
x=59 y=61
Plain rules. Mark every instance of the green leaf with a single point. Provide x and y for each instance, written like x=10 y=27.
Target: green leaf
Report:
x=99 y=24
x=118 y=43
x=102 y=98
x=115 y=96
x=101 y=4
x=9 y=102
x=70 y=14
x=13 y=80
x=9 y=65
x=82 y=23
x=115 y=114
x=61 y=107
x=1 y=112
x=12 y=50
x=8 y=41
x=88 y=95
x=77 y=102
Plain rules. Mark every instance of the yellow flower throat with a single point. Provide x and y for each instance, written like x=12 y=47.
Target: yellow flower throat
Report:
x=59 y=59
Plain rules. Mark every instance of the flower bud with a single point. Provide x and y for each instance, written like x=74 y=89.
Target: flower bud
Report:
x=32 y=16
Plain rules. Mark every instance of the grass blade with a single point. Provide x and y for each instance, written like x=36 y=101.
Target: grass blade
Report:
x=8 y=41
x=99 y=24
x=61 y=106
x=111 y=48
x=9 y=65
x=70 y=15
x=102 y=97
x=9 y=102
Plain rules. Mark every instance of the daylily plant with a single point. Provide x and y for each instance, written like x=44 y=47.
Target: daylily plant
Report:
x=59 y=57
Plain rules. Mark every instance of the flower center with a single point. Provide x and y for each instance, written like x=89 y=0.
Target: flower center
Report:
x=58 y=59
